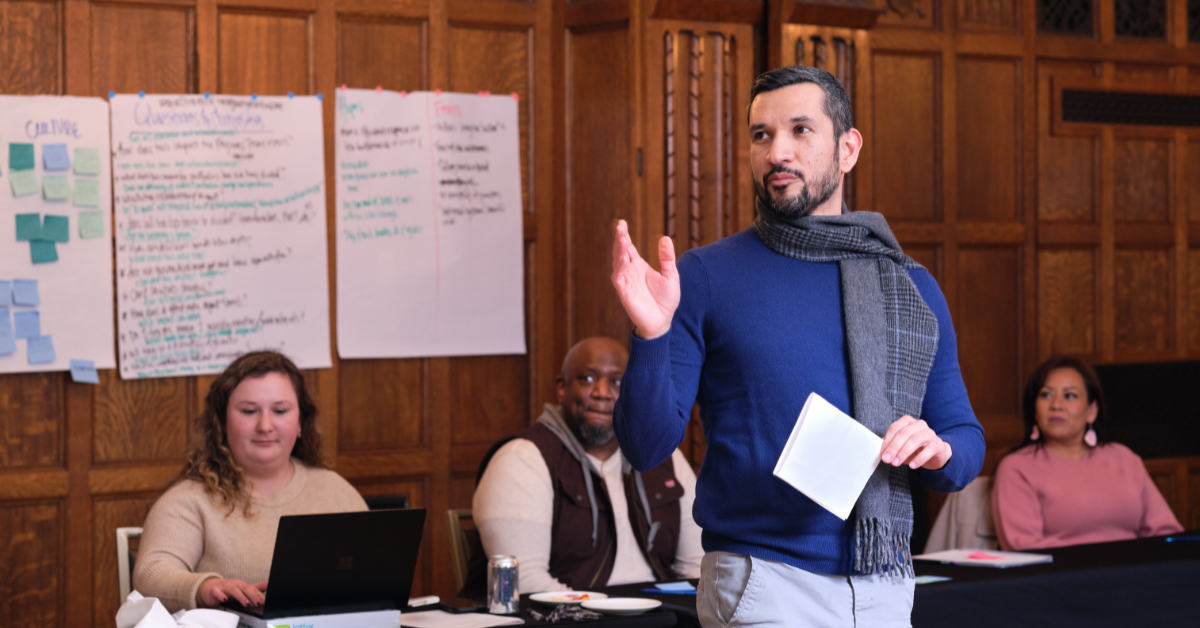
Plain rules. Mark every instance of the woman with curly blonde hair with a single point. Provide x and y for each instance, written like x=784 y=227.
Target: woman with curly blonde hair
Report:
x=256 y=457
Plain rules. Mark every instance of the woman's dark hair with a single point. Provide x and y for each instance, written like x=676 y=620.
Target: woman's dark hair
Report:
x=210 y=461
x=837 y=103
x=1038 y=379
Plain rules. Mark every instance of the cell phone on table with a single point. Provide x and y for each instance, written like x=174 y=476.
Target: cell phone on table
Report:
x=460 y=605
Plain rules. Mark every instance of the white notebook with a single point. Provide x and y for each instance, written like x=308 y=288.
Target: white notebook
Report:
x=829 y=456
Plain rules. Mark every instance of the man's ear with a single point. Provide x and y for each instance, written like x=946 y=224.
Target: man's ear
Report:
x=561 y=386
x=850 y=147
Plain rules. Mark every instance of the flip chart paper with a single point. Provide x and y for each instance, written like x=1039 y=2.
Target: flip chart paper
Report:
x=73 y=279
x=27 y=324
x=56 y=228
x=41 y=350
x=87 y=161
x=29 y=227
x=25 y=292
x=23 y=182
x=829 y=456
x=233 y=261
x=20 y=156
x=87 y=192
x=84 y=372
x=55 y=158
x=429 y=231
x=91 y=224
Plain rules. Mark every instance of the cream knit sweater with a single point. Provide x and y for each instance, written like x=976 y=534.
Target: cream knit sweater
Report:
x=189 y=537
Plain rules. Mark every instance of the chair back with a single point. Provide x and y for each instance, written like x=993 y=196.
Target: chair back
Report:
x=465 y=545
x=127 y=548
x=965 y=520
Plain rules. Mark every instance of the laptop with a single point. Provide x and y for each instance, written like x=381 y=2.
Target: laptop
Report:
x=347 y=562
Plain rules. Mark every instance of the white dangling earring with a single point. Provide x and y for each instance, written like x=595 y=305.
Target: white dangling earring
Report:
x=1035 y=434
x=1089 y=437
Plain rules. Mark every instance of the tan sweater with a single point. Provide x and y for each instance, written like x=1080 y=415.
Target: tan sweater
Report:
x=188 y=536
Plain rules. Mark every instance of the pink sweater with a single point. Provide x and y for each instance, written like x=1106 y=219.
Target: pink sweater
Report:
x=1040 y=500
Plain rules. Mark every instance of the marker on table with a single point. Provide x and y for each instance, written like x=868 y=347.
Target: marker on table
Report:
x=1184 y=537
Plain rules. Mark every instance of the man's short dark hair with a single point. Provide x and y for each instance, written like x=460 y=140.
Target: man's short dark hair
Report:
x=837 y=103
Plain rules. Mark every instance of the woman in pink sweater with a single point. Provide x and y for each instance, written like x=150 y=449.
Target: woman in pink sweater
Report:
x=1065 y=485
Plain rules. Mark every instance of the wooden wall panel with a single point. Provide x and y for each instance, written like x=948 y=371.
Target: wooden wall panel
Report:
x=1141 y=179
x=145 y=419
x=1066 y=302
x=989 y=131
x=31 y=427
x=380 y=404
x=31 y=47
x=1067 y=178
x=1142 y=300
x=143 y=48
x=489 y=398
x=986 y=319
x=380 y=52
x=989 y=16
x=1193 y=181
x=109 y=514
x=1193 y=301
x=599 y=186
x=264 y=53
x=31 y=567
x=914 y=14
x=906 y=146
x=928 y=256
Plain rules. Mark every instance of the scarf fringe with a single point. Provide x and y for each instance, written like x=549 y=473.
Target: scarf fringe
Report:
x=880 y=548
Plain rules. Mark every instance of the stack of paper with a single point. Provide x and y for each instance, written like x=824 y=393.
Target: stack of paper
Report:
x=985 y=558
x=829 y=456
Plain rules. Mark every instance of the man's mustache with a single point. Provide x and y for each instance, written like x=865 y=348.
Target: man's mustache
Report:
x=783 y=170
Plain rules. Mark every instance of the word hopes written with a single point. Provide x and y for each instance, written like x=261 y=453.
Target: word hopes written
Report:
x=55 y=233
x=429 y=231
x=220 y=231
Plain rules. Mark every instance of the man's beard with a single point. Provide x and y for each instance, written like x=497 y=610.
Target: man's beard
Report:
x=590 y=435
x=811 y=196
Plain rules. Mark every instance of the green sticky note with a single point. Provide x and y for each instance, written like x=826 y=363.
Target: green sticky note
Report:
x=20 y=156
x=43 y=251
x=87 y=161
x=91 y=225
x=23 y=182
x=87 y=192
x=29 y=227
x=56 y=228
x=56 y=187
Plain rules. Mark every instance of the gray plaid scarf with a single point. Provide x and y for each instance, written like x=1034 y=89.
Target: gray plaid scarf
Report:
x=892 y=337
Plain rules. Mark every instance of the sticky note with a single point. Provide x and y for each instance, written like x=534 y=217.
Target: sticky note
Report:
x=25 y=292
x=41 y=350
x=87 y=161
x=20 y=156
x=55 y=158
x=8 y=343
x=23 y=182
x=87 y=192
x=28 y=324
x=56 y=228
x=5 y=294
x=91 y=225
x=43 y=251
x=29 y=227
x=84 y=372
x=56 y=187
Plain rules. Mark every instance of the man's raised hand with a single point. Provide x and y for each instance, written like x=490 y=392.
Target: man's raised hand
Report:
x=649 y=296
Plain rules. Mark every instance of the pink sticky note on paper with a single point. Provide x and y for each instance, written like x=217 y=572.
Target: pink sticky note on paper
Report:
x=983 y=556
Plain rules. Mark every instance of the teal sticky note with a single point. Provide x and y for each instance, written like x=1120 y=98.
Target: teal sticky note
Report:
x=56 y=187
x=20 y=156
x=43 y=251
x=87 y=161
x=87 y=192
x=56 y=229
x=55 y=158
x=29 y=227
x=84 y=372
x=41 y=350
x=91 y=225
x=23 y=182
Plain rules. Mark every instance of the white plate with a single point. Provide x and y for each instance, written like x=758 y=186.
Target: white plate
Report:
x=622 y=605
x=556 y=598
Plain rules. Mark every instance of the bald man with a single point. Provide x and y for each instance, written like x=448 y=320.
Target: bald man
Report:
x=561 y=498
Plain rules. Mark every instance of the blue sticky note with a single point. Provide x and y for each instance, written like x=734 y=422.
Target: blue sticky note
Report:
x=29 y=227
x=25 y=292
x=41 y=350
x=42 y=251
x=56 y=228
x=5 y=293
x=55 y=158
x=8 y=344
x=28 y=324
x=84 y=372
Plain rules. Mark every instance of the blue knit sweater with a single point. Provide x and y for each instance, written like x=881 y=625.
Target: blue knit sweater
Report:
x=754 y=334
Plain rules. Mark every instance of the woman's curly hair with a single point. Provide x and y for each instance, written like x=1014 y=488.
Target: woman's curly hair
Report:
x=210 y=461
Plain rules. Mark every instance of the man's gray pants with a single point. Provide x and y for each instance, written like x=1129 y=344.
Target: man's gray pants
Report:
x=740 y=590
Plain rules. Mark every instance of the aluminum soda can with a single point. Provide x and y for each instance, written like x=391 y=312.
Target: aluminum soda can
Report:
x=503 y=596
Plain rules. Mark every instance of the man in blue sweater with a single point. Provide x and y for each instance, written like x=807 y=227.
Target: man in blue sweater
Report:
x=810 y=299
